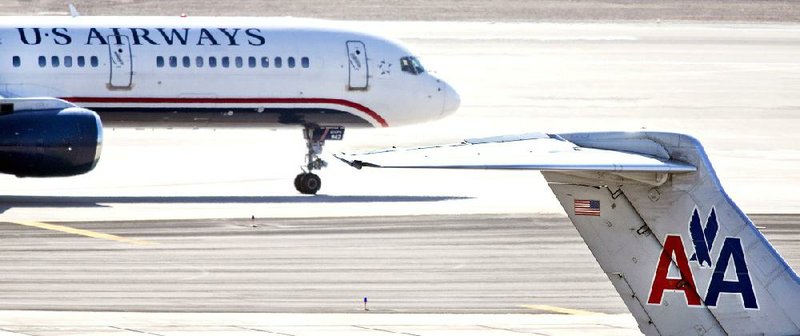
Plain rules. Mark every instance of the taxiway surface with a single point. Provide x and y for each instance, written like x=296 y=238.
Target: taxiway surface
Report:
x=422 y=275
x=407 y=264
x=499 y=274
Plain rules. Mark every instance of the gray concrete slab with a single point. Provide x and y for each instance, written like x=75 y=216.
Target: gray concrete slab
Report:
x=410 y=264
x=420 y=264
x=422 y=275
x=109 y=323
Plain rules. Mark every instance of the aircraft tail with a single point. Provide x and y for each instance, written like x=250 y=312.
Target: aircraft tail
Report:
x=683 y=257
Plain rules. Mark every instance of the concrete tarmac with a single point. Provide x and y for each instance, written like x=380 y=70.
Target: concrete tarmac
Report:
x=497 y=273
x=408 y=264
x=411 y=264
x=19 y=323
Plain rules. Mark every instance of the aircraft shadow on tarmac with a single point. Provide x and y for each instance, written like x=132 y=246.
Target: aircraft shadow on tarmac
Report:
x=8 y=202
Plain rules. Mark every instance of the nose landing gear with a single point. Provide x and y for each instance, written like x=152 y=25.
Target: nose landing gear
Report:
x=307 y=182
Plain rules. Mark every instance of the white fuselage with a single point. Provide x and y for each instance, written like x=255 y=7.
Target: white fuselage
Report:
x=257 y=72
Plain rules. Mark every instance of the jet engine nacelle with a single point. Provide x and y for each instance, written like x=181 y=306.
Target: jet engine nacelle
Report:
x=49 y=142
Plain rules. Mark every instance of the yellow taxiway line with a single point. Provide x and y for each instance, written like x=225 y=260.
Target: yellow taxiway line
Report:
x=560 y=310
x=82 y=232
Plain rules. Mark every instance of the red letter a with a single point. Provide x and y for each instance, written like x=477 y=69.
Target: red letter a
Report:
x=673 y=246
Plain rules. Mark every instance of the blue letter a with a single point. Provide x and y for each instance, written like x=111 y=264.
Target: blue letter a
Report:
x=731 y=248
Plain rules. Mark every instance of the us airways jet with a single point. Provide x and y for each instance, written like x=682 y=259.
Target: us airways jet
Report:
x=60 y=77
x=680 y=253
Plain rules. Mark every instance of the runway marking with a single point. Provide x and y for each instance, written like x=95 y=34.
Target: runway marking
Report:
x=560 y=310
x=82 y=232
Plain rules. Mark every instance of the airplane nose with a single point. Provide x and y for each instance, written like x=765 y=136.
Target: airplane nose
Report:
x=451 y=100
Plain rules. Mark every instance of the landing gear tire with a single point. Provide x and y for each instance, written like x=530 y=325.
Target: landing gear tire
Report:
x=297 y=181
x=307 y=183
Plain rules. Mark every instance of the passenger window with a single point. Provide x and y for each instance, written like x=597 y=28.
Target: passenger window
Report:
x=16 y=61
x=187 y=62
x=226 y=62
x=82 y=61
x=173 y=61
x=68 y=61
x=212 y=62
x=239 y=62
x=159 y=61
x=278 y=62
x=265 y=62
x=304 y=62
x=42 y=61
x=199 y=61
x=94 y=61
x=290 y=62
x=251 y=62
x=55 y=62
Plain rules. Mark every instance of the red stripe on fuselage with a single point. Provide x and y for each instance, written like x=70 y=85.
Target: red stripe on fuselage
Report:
x=150 y=100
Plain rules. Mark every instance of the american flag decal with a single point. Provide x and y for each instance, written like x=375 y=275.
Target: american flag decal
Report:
x=587 y=208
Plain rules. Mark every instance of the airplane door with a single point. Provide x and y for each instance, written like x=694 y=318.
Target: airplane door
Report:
x=358 y=69
x=120 y=61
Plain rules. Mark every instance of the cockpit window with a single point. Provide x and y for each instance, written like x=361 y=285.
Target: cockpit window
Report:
x=411 y=65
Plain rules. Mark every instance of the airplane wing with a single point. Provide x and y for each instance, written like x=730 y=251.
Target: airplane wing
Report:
x=533 y=151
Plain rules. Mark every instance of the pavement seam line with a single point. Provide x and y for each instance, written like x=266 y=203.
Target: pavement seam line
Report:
x=561 y=310
x=136 y=331
x=385 y=330
x=82 y=232
x=264 y=330
x=512 y=330
x=14 y=332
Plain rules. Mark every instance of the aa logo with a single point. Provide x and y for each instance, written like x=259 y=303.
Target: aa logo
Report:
x=703 y=237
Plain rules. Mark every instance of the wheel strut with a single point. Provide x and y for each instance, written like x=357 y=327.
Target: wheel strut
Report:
x=307 y=182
